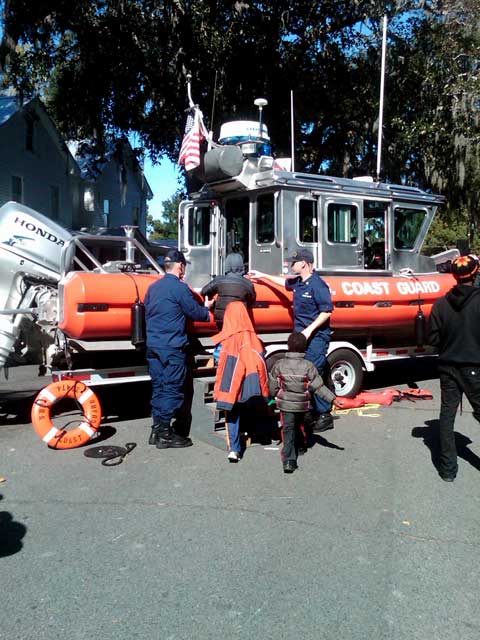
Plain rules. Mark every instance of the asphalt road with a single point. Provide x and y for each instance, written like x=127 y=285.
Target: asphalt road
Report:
x=365 y=541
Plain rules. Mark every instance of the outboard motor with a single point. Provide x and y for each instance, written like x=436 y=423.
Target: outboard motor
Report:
x=30 y=257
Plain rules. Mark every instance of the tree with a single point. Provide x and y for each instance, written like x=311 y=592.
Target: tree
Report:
x=120 y=66
x=437 y=133
x=167 y=227
x=115 y=67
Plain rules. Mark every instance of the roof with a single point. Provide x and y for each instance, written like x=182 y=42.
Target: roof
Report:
x=9 y=105
x=92 y=163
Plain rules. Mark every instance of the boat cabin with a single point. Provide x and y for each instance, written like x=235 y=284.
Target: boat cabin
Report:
x=266 y=213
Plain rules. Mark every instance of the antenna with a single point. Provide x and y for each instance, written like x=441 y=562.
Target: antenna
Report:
x=260 y=103
x=380 y=107
x=292 y=129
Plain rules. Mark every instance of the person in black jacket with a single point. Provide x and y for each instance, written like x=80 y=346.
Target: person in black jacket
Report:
x=293 y=380
x=231 y=287
x=454 y=328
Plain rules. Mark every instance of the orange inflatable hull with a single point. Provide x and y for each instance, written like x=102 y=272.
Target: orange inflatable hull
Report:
x=97 y=305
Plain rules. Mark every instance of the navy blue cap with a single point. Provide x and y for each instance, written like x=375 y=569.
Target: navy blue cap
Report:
x=302 y=254
x=174 y=255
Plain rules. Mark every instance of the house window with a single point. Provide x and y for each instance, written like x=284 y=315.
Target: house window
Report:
x=136 y=215
x=106 y=211
x=54 y=201
x=29 y=135
x=17 y=188
x=89 y=199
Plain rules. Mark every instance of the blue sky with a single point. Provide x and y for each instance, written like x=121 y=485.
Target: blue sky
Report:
x=163 y=180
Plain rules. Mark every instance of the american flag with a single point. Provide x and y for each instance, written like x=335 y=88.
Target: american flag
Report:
x=194 y=134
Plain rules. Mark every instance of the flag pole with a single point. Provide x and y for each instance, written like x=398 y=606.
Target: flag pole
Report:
x=292 y=129
x=189 y=91
x=382 y=91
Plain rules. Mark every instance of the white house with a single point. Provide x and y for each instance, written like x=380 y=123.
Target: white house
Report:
x=68 y=182
x=36 y=167
x=115 y=188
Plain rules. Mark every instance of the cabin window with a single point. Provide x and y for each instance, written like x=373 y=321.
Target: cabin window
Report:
x=342 y=223
x=374 y=234
x=307 y=220
x=17 y=188
x=54 y=201
x=406 y=226
x=265 y=219
x=199 y=226
x=237 y=211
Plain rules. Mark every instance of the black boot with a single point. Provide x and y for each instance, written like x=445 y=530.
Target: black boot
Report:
x=168 y=439
x=324 y=422
x=178 y=441
x=154 y=433
x=163 y=436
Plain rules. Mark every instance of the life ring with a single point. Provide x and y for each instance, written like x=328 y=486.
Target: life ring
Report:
x=60 y=438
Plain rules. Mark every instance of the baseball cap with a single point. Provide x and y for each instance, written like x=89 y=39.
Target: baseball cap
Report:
x=464 y=268
x=174 y=255
x=302 y=254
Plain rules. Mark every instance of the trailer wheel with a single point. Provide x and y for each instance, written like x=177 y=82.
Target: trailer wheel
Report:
x=346 y=372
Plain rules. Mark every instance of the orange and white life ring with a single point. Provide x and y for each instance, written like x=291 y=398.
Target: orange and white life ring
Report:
x=60 y=438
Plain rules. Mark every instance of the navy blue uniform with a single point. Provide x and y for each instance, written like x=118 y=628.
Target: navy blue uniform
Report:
x=310 y=298
x=168 y=304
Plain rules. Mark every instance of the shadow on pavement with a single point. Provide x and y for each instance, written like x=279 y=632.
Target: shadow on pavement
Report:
x=15 y=408
x=11 y=534
x=118 y=403
x=132 y=401
x=317 y=439
x=399 y=372
x=127 y=402
x=429 y=434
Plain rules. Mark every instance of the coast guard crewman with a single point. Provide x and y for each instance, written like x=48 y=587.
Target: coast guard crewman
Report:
x=169 y=302
x=312 y=308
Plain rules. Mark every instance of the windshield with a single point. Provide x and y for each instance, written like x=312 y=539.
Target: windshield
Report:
x=407 y=224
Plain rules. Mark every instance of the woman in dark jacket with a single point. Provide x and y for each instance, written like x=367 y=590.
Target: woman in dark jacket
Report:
x=231 y=287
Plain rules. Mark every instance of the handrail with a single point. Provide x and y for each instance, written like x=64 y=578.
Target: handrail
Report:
x=68 y=255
